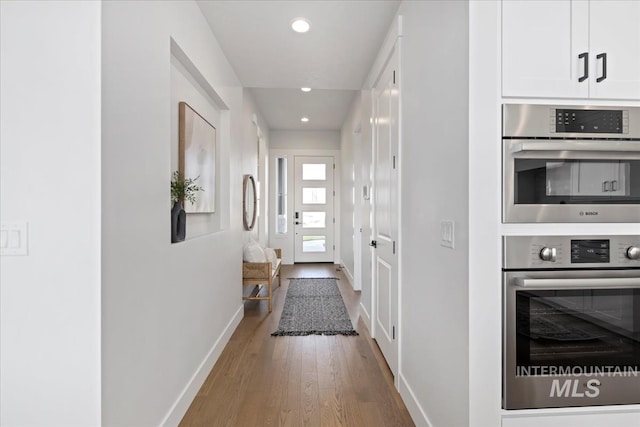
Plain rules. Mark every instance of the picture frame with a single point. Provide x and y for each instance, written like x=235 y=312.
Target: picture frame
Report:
x=197 y=157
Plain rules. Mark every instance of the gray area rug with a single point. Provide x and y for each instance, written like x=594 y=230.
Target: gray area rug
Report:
x=314 y=307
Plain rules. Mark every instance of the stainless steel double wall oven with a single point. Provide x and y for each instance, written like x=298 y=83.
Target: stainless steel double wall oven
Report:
x=571 y=304
x=571 y=164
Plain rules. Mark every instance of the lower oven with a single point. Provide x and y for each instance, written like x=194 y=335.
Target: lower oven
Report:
x=571 y=319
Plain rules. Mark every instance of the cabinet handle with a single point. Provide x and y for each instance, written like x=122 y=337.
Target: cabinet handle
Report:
x=606 y=187
x=585 y=56
x=602 y=56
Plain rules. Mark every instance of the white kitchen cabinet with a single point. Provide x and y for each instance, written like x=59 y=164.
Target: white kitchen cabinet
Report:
x=558 y=49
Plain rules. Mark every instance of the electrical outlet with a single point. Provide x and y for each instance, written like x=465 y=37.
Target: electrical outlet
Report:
x=447 y=233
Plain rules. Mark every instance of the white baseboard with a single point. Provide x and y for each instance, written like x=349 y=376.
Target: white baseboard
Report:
x=365 y=316
x=347 y=273
x=418 y=415
x=183 y=402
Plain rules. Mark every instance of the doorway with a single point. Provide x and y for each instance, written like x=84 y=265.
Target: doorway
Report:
x=314 y=217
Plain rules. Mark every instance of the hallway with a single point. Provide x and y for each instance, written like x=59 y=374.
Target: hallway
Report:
x=294 y=381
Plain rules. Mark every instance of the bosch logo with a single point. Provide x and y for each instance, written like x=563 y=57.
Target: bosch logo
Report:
x=591 y=213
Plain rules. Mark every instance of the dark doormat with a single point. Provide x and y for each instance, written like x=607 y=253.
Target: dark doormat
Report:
x=314 y=307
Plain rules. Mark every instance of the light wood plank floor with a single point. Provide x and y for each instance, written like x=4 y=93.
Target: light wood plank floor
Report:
x=260 y=380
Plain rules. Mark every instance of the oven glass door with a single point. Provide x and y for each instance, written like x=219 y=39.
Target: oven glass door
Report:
x=571 y=181
x=577 y=329
x=553 y=181
x=571 y=338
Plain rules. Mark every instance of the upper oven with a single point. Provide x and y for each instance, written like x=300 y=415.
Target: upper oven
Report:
x=570 y=164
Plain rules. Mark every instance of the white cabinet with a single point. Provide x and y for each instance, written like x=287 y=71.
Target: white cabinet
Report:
x=571 y=49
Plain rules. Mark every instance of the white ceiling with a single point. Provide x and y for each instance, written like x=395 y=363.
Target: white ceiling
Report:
x=333 y=58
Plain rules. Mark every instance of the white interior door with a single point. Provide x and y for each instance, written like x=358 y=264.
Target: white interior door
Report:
x=385 y=213
x=314 y=217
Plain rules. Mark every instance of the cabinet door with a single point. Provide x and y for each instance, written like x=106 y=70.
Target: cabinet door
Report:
x=615 y=31
x=541 y=42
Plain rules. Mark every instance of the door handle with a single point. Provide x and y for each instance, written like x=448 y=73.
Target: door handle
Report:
x=585 y=57
x=297 y=222
x=373 y=244
x=580 y=283
x=614 y=185
x=606 y=186
x=602 y=56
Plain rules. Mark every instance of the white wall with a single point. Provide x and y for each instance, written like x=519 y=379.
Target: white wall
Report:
x=485 y=280
x=50 y=177
x=348 y=200
x=304 y=140
x=167 y=310
x=434 y=330
x=186 y=88
x=250 y=161
x=300 y=143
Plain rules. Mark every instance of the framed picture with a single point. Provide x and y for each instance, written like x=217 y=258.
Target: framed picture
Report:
x=197 y=157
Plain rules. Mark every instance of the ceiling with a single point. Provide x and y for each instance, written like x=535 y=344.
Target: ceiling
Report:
x=333 y=58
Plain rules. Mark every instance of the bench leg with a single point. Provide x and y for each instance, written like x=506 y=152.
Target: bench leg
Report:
x=270 y=295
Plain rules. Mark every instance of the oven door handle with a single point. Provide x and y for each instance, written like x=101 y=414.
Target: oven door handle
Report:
x=618 y=148
x=592 y=283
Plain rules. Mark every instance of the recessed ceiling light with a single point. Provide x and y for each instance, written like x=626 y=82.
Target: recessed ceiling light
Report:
x=305 y=89
x=304 y=119
x=300 y=25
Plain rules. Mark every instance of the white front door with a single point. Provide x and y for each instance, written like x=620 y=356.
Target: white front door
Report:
x=385 y=212
x=314 y=217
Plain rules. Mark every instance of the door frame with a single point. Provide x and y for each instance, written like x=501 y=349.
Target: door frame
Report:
x=286 y=241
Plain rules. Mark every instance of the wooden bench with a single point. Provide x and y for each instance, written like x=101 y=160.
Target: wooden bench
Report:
x=262 y=273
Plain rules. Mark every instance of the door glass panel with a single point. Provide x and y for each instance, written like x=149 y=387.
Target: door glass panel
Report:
x=314 y=171
x=552 y=181
x=314 y=219
x=281 y=195
x=314 y=243
x=592 y=328
x=314 y=196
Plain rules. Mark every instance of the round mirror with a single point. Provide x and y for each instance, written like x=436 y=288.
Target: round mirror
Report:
x=249 y=202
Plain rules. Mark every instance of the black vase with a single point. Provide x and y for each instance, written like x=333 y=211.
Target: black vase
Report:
x=178 y=223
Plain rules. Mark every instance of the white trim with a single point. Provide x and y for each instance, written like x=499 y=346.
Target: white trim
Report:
x=348 y=274
x=419 y=417
x=395 y=31
x=184 y=400
x=366 y=317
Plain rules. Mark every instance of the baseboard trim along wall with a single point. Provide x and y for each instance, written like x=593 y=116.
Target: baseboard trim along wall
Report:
x=347 y=273
x=365 y=316
x=180 y=407
x=415 y=410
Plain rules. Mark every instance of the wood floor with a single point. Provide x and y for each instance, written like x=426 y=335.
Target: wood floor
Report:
x=260 y=380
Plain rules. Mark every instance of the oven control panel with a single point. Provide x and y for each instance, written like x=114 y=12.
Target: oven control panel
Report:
x=590 y=121
x=542 y=252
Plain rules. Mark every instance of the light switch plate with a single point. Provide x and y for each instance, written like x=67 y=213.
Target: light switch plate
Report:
x=447 y=233
x=14 y=238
